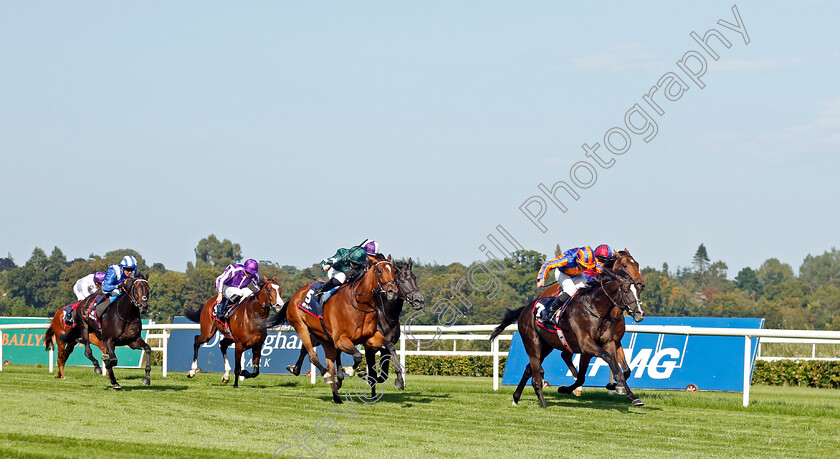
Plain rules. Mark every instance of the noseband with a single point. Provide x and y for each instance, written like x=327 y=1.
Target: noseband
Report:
x=626 y=306
x=379 y=286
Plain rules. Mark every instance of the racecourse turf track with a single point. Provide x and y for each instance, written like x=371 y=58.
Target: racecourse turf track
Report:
x=434 y=417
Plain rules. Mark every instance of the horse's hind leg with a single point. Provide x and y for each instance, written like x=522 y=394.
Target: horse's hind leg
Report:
x=295 y=369
x=517 y=394
x=256 y=353
x=98 y=343
x=237 y=372
x=89 y=355
x=64 y=351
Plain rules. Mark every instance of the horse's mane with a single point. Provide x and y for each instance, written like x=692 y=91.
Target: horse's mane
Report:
x=609 y=275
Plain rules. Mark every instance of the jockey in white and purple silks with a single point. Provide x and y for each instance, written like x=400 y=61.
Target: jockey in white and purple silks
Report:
x=88 y=285
x=233 y=283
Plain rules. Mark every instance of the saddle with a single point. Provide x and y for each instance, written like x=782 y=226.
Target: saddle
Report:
x=68 y=315
x=91 y=310
x=552 y=324
x=310 y=304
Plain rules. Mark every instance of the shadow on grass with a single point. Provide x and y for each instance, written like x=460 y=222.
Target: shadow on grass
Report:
x=153 y=387
x=406 y=399
x=594 y=401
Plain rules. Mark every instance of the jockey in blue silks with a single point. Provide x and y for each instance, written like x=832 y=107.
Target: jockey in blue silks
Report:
x=570 y=272
x=115 y=277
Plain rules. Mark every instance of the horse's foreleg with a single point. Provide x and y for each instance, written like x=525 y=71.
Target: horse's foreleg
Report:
x=223 y=347
x=344 y=344
x=581 y=375
x=608 y=354
x=147 y=351
x=256 y=354
x=371 y=377
x=517 y=394
x=399 y=383
x=64 y=351
x=98 y=343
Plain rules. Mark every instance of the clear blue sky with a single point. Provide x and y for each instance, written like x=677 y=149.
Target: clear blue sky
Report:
x=294 y=128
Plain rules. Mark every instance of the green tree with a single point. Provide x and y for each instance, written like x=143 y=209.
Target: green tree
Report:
x=747 y=280
x=212 y=253
x=773 y=272
x=821 y=270
x=701 y=259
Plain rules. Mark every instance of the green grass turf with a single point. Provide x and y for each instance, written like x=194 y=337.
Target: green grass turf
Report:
x=434 y=417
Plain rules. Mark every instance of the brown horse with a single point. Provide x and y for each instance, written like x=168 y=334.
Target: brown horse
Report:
x=247 y=329
x=583 y=325
x=65 y=348
x=626 y=263
x=350 y=318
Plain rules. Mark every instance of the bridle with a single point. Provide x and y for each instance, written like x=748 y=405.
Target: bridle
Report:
x=134 y=301
x=264 y=288
x=379 y=286
x=623 y=290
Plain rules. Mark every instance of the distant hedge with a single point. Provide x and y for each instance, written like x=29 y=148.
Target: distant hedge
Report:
x=809 y=373
x=435 y=365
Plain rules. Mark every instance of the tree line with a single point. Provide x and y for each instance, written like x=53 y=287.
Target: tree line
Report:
x=809 y=300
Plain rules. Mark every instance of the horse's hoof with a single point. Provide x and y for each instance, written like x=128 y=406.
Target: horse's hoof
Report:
x=399 y=385
x=361 y=374
x=515 y=404
x=242 y=377
x=117 y=387
x=328 y=379
x=225 y=379
x=577 y=392
x=291 y=369
x=58 y=376
x=564 y=389
x=147 y=382
x=638 y=402
x=611 y=386
x=190 y=375
x=97 y=371
x=620 y=390
x=337 y=399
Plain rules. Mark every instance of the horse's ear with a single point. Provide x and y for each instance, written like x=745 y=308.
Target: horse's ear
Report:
x=410 y=263
x=265 y=279
x=274 y=278
x=389 y=257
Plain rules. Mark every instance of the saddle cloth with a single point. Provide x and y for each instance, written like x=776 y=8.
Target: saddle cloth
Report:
x=310 y=304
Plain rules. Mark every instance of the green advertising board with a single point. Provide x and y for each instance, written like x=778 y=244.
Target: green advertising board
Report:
x=26 y=346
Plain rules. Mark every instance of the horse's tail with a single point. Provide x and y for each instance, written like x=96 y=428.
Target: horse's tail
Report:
x=194 y=314
x=278 y=318
x=510 y=317
x=48 y=338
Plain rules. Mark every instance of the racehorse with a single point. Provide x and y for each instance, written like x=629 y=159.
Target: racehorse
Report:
x=349 y=318
x=626 y=263
x=586 y=326
x=247 y=329
x=121 y=325
x=389 y=325
x=65 y=348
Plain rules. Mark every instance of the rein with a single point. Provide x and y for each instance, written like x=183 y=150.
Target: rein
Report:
x=625 y=306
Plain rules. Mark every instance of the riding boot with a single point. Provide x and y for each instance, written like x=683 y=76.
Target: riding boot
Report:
x=326 y=287
x=556 y=303
x=219 y=311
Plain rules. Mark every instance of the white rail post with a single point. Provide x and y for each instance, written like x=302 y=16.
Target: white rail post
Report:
x=494 y=348
x=814 y=350
x=165 y=346
x=312 y=373
x=51 y=359
x=747 y=372
x=402 y=353
x=2 y=364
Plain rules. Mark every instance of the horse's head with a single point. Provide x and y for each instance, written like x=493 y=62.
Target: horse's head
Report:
x=628 y=298
x=407 y=284
x=270 y=292
x=383 y=272
x=137 y=289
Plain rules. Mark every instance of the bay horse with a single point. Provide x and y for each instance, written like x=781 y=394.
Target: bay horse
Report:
x=583 y=325
x=350 y=318
x=247 y=329
x=58 y=329
x=121 y=325
x=389 y=322
x=627 y=264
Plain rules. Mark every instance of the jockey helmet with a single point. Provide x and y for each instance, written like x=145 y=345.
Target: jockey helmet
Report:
x=251 y=266
x=371 y=247
x=604 y=251
x=99 y=277
x=585 y=257
x=128 y=262
x=358 y=256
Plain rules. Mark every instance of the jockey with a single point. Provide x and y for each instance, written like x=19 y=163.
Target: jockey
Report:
x=233 y=283
x=345 y=265
x=114 y=278
x=569 y=271
x=371 y=247
x=88 y=285
x=605 y=255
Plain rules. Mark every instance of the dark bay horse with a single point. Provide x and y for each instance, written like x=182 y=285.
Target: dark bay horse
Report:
x=247 y=328
x=65 y=348
x=350 y=318
x=121 y=325
x=389 y=321
x=583 y=325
